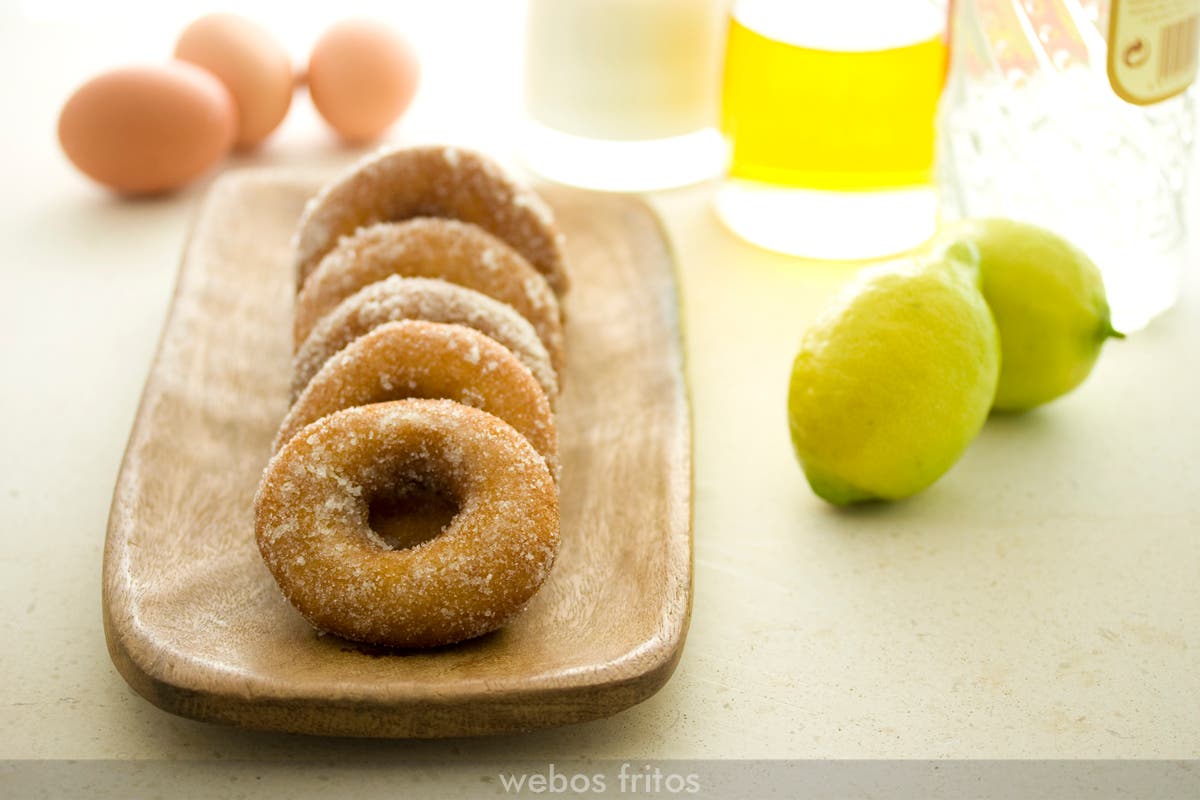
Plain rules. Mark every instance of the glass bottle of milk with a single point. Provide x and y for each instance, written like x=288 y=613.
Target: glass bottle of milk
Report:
x=621 y=94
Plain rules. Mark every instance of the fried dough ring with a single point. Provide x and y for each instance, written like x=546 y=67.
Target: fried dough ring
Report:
x=413 y=358
x=312 y=526
x=396 y=298
x=432 y=181
x=432 y=248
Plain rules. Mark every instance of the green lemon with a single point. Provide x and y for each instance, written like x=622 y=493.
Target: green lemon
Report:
x=895 y=379
x=1049 y=304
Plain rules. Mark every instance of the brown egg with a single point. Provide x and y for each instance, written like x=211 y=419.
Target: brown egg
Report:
x=251 y=63
x=362 y=76
x=141 y=130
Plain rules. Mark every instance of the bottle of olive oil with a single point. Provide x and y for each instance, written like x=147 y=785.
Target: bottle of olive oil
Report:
x=829 y=108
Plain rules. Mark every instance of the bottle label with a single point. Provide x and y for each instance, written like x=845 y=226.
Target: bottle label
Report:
x=1152 y=48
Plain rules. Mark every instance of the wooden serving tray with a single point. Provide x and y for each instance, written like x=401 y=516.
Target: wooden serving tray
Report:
x=195 y=622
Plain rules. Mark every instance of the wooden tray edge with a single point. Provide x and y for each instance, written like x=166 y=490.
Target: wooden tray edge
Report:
x=573 y=702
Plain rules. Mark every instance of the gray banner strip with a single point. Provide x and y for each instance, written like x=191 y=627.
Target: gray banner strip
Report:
x=810 y=780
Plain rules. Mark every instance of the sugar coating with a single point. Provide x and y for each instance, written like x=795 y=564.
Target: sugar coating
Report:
x=431 y=181
x=415 y=358
x=442 y=249
x=312 y=523
x=425 y=274
x=396 y=298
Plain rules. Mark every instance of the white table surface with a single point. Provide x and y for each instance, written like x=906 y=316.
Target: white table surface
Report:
x=1040 y=601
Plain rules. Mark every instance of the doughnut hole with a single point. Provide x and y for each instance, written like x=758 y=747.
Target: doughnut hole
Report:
x=412 y=513
x=312 y=523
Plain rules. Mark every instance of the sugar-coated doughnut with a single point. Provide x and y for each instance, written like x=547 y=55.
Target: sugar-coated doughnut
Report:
x=312 y=523
x=431 y=248
x=432 y=181
x=413 y=358
x=396 y=298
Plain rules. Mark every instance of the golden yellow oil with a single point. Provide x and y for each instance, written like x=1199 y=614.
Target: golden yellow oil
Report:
x=830 y=119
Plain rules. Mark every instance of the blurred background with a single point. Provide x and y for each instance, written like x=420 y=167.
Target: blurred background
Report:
x=822 y=116
x=470 y=52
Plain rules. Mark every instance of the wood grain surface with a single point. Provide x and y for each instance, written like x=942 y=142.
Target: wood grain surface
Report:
x=194 y=621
